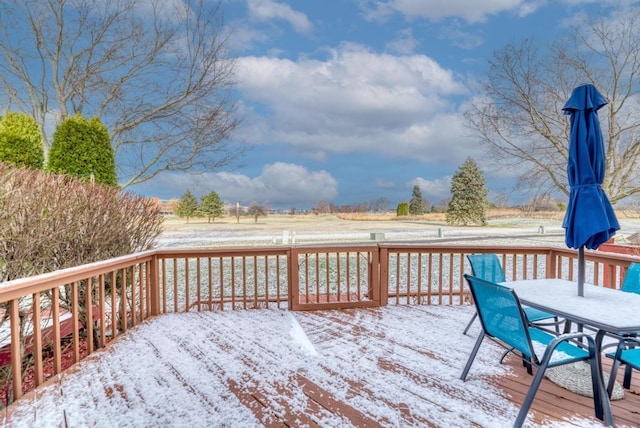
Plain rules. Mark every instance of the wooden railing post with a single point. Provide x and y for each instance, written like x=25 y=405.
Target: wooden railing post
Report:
x=551 y=268
x=292 y=278
x=374 y=275
x=154 y=291
x=383 y=275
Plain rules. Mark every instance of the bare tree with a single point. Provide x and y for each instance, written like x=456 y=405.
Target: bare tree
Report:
x=518 y=112
x=255 y=210
x=155 y=72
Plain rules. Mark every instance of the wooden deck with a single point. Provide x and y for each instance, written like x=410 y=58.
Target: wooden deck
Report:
x=374 y=367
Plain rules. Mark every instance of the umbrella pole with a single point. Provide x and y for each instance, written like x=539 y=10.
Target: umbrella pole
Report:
x=581 y=271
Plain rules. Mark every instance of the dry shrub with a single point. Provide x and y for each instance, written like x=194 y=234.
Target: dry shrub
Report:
x=49 y=222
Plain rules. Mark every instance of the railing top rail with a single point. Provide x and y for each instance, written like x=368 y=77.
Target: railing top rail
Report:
x=19 y=287
x=434 y=247
x=168 y=252
x=319 y=248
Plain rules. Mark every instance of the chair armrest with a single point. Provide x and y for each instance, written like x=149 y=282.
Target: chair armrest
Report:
x=573 y=338
x=623 y=343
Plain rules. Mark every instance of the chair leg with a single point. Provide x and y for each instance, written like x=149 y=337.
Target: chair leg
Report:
x=612 y=376
x=528 y=400
x=467 y=367
x=626 y=383
x=473 y=318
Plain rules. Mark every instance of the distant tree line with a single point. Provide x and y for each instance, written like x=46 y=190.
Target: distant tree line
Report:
x=211 y=206
x=379 y=205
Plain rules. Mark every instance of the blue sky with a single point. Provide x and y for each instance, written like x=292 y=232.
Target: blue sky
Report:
x=351 y=101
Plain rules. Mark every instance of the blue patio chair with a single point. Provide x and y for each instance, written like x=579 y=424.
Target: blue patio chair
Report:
x=631 y=283
x=488 y=267
x=627 y=353
x=504 y=322
x=630 y=357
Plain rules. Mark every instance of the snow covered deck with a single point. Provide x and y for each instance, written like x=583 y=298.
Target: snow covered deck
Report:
x=390 y=366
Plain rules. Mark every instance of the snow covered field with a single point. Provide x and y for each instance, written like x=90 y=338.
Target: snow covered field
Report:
x=312 y=229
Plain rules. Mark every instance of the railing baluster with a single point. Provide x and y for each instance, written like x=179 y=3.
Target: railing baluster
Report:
x=114 y=311
x=244 y=282
x=132 y=278
x=397 y=278
x=164 y=286
x=198 y=286
x=37 y=338
x=338 y=285
x=55 y=315
x=16 y=352
x=175 y=285
x=327 y=271
x=278 y=279
x=74 y=321
x=186 y=284
x=103 y=312
x=233 y=283
x=266 y=281
x=143 y=295
x=123 y=300
x=88 y=304
x=440 y=277
x=358 y=277
x=210 y=282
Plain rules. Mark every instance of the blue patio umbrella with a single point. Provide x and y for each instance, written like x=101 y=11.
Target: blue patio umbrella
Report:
x=590 y=220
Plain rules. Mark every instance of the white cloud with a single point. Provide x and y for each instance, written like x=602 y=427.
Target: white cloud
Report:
x=267 y=10
x=459 y=37
x=279 y=183
x=405 y=43
x=356 y=101
x=433 y=190
x=383 y=183
x=242 y=36
x=437 y=10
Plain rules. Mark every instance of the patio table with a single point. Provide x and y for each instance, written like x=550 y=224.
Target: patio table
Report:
x=605 y=309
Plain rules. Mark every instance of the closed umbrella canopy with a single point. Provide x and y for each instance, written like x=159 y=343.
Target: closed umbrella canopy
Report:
x=590 y=220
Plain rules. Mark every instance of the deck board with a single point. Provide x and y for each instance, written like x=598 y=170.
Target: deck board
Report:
x=345 y=388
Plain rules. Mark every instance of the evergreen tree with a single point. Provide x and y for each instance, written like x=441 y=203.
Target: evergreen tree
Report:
x=21 y=141
x=187 y=206
x=82 y=148
x=468 y=204
x=416 y=204
x=403 y=209
x=211 y=206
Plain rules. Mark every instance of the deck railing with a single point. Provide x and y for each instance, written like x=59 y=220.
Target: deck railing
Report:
x=72 y=312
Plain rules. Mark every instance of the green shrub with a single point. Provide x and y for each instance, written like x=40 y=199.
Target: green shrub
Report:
x=21 y=141
x=403 y=209
x=82 y=148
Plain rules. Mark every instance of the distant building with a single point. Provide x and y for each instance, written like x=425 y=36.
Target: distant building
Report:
x=167 y=206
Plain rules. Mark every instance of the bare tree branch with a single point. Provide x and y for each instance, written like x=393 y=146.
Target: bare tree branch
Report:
x=157 y=73
x=519 y=112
